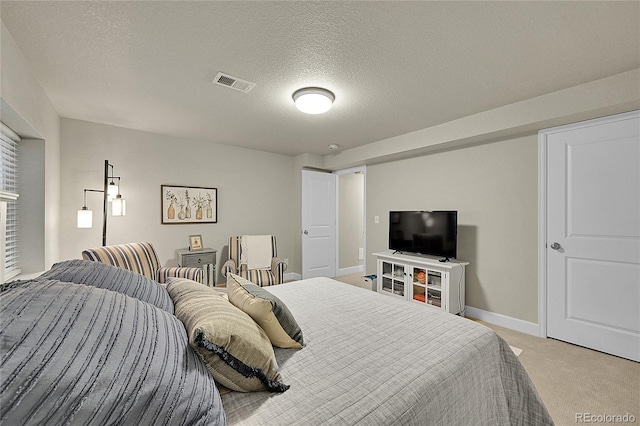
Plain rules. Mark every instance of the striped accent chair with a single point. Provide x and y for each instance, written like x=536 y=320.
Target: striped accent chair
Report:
x=261 y=277
x=142 y=259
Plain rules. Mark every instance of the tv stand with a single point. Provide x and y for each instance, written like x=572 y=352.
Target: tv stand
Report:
x=424 y=280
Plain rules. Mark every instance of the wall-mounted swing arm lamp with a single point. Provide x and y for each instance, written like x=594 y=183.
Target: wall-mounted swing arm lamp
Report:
x=118 y=207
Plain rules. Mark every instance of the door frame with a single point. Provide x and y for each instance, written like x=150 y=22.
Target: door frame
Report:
x=362 y=169
x=542 y=208
x=542 y=233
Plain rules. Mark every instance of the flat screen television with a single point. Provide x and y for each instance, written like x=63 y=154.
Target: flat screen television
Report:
x=431 y=233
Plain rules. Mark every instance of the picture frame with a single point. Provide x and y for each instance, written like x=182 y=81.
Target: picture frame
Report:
x=195 y=242
x=181 y=205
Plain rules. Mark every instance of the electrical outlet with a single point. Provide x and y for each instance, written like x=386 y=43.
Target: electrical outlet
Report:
x=286 y=261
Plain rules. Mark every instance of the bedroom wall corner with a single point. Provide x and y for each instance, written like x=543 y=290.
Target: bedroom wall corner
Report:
x=255 y=189
x=26 y=108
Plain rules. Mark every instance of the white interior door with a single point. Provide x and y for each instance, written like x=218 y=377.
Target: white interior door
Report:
x=593 y=234
x=318 y=224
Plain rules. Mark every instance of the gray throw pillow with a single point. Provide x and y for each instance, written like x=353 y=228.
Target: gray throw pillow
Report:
x=101 y=275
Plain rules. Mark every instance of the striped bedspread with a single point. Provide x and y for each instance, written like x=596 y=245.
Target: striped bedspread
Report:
x=371 y=359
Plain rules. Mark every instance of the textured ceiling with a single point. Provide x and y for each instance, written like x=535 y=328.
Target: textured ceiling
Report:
x=394 y=67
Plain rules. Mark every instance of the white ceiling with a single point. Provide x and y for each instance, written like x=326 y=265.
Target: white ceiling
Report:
x=394 y=67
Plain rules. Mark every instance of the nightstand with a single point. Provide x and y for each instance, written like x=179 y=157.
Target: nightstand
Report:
x=205 y=259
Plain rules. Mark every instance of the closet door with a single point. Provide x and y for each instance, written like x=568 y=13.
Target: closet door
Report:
x=593 y=234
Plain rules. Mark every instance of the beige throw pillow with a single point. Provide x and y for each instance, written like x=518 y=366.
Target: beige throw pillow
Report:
x=236 y=350
x=267 y=310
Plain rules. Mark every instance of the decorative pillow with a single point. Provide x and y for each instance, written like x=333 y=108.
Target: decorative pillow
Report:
x=236 y=350
x=101 y=275
x=267 y=310
x=77 y=354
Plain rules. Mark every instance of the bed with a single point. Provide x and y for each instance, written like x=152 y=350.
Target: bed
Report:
x=373 y=359
x=76 y=348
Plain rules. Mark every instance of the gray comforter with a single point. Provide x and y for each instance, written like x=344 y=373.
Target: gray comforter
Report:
x=76 y=354
x=371 y=359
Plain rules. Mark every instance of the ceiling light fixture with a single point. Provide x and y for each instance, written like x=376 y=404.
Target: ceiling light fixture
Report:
x=313 y=100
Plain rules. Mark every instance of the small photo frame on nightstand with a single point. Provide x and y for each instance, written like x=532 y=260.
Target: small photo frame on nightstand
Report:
x=195 y=242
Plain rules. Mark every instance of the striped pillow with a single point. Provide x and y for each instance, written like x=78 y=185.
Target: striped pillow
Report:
x=267 y=310
x=236 y=350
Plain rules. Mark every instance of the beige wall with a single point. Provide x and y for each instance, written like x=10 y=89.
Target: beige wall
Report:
x=255 y=189
x=26 y=109
x=494 y=188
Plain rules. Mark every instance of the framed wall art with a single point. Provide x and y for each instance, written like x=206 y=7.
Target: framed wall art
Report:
x=188 y=204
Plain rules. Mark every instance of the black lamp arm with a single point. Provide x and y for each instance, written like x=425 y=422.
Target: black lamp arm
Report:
x=84 y=204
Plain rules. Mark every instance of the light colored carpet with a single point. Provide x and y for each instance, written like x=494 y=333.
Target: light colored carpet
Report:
x=573 y=381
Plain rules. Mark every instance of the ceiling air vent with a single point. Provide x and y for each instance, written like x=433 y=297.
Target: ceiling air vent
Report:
x=233 y=82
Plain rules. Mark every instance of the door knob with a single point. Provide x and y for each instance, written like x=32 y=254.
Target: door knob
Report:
x=305 y=232
x=556 y=246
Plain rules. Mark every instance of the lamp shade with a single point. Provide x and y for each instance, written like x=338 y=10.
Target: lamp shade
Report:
x=313 y=100
x=85 y=218
x=112 y=191
x=118 y=206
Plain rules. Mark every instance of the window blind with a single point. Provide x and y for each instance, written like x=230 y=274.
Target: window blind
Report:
x=9 y=183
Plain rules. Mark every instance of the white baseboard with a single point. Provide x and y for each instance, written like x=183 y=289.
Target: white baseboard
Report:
x=503 y=321
x=292 y=276
x=350 y=270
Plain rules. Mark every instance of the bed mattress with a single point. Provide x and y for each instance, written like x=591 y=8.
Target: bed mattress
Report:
x=373 y=359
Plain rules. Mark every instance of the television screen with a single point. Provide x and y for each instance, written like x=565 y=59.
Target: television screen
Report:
x=431 y=233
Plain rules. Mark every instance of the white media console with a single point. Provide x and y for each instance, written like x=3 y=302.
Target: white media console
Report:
x=421 y=279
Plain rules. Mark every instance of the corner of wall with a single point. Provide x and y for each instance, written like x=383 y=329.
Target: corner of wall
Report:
x=34 y=117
